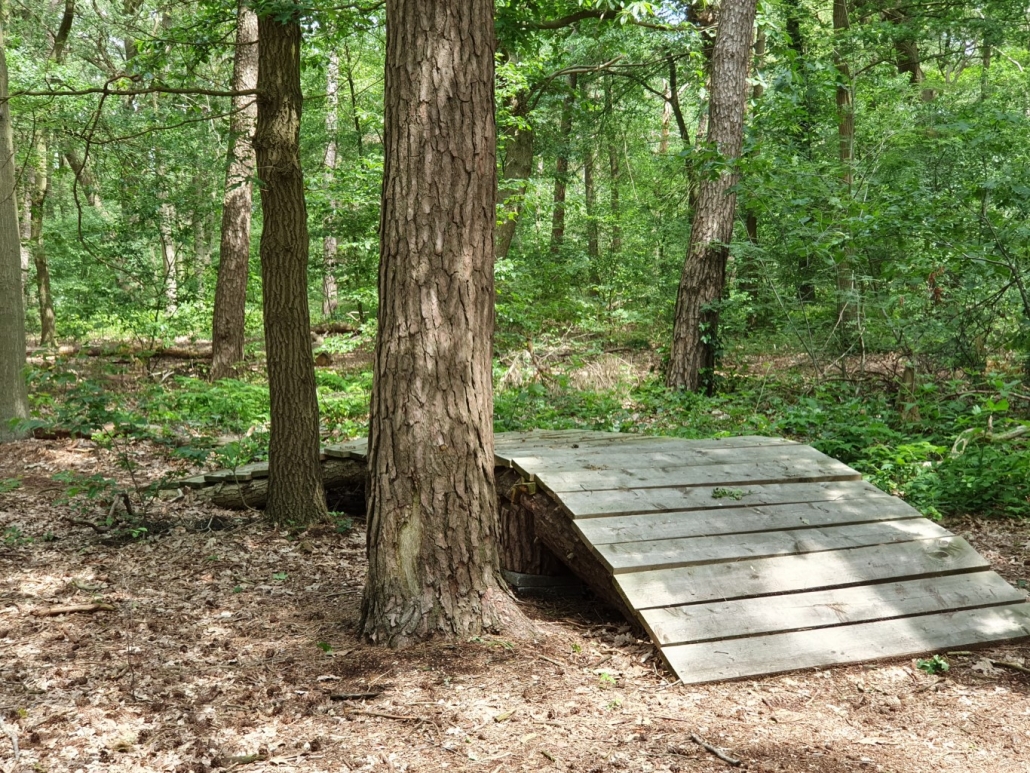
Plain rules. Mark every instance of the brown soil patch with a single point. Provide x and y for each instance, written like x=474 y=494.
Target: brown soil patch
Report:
x=232 y=645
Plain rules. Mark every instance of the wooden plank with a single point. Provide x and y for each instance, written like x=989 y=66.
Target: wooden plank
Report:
x=668 y=553
x=782 y=574
x=599 y=441
x=672 y=455
x=821 y=609
x=742 y=520
x=901 y=637
x=804 y=469
x=354 y=449
x=197 y=481
x=597 y=504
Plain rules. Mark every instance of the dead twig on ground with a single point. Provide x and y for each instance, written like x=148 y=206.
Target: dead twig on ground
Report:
x=712 y=750
x=65 y=609
x=1010 y=664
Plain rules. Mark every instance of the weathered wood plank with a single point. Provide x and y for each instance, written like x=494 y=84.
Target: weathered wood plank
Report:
x=783 y=574
x=241 y=474
x=587 y=441
x=741 y=520
x=804 y=469
x=597 y=504
x=354 y=449
x=669 y=553
x=679 y=454
x=901 y=637
x=821 y=609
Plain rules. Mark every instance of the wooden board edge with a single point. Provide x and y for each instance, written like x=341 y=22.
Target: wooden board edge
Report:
x=959 y=638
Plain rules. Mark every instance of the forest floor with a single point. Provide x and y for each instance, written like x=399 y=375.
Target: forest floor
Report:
x=226 y=644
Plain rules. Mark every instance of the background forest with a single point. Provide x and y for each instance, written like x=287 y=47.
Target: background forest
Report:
x=877 y=300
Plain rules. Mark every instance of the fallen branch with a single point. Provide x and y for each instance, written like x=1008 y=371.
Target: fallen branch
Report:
x=384 y=715
x=712 y=750
x=1010 y=664
x=354 y=696
x=70 y=608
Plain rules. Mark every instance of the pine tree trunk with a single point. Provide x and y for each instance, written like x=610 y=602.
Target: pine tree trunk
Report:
x=432 y=506
x=295 y=491
x=561 y=171
x=40 y=187
x=593 y=232
x=228 y=323
x=847 y=287
x=615 y=173
x=329 y=244
x=805 y=285
x=14 y=403
x=695 y=331
x=47 y=322
x=517 y=166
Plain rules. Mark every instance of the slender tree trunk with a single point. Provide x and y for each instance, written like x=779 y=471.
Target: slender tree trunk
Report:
x=695 y=331
x=847 y=287
x=748 y=275
x=517 y=166
x=47 y=323
x=167 y=218
x=590 y=200
x=295 y=491
x=803 y=135
x=561 y=171
x=432 y=507
x=614 y=172
x=663 y=137
x=329 y=244
x=37 y=248
x=14 y=402
x=228 y=322
x=355 y=115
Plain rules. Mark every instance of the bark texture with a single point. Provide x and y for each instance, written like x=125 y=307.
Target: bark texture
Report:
x=695 y=331
x=432 y=507
x=228 y=323
x=295 y=493
x=14 y=402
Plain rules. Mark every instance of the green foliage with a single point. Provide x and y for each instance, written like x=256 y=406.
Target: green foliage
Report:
x=936 y=665
x=9 y=484
x=853 y=422
x=14 y=537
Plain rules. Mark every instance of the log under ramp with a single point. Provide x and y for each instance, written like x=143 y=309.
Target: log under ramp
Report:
x=745 y=556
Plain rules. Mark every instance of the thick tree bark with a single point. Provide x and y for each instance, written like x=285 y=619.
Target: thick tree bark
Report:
x=228 y=323
x=516 y=169
x=295 y=493
x=432 y=507
x=561 y=171
x=14 y=403
x=695 y=331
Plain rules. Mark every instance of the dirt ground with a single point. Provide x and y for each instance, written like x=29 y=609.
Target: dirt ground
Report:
x=226 y=644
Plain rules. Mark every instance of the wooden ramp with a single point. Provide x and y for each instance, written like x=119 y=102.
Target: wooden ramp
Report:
x=751 y=555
